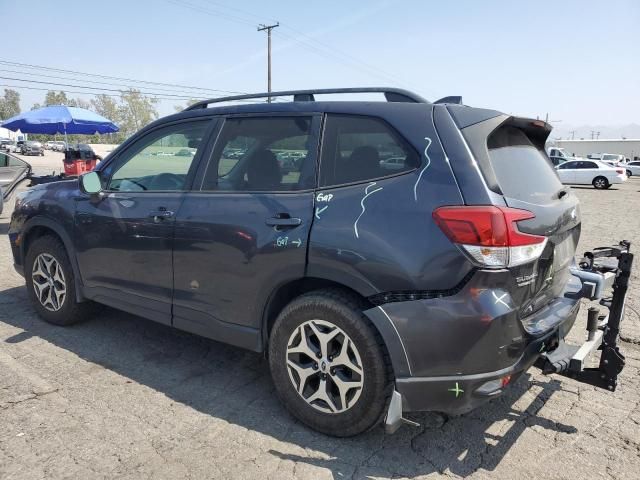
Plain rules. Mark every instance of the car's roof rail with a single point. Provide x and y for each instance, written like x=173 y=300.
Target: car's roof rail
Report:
x=391 y=94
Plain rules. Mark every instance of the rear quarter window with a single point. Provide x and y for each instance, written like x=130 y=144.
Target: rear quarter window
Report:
x=523 y=171
x=358 y=148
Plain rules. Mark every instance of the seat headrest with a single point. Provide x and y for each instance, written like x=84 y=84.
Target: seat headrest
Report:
x=263 y=171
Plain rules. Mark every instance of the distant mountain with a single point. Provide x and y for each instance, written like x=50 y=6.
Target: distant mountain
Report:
x=631 y=130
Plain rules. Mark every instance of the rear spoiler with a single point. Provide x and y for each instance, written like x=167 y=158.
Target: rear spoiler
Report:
x=537 y=130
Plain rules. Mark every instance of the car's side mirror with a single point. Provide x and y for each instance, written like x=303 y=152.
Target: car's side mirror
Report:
x=90 y=183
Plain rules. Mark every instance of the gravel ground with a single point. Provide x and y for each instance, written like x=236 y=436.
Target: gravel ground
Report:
x=122 y=397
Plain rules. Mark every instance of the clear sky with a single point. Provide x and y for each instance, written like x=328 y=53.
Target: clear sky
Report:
x=577 y=60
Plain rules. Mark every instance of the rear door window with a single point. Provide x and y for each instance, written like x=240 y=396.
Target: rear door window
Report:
x=358 y=149
x=274 y=154
x=523 y=172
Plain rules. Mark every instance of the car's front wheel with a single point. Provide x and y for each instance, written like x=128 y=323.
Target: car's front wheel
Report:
x=50 y=282
x=600 y=183
x=629 y=173
x=329 y=364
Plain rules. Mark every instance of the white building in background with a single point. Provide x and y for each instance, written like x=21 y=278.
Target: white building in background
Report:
x=630 y=148
x=4 y=133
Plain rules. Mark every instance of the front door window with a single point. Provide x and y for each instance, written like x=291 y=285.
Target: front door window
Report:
x=160 y=161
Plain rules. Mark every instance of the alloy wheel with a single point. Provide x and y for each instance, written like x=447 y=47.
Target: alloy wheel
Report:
x=600 y=183
x=49 y=282
x=325 y=366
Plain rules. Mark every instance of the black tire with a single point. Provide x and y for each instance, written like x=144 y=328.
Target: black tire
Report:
x=601 y=183
x=629 y=173
x=70 y=311
x=344 y=311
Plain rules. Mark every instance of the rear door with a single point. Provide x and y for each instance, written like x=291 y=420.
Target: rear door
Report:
x=243 y=231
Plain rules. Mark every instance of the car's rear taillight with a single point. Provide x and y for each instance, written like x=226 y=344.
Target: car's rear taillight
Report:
x=490 y=235
x=619 y=171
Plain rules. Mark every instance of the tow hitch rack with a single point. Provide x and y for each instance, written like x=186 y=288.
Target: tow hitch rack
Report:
x=597 y=276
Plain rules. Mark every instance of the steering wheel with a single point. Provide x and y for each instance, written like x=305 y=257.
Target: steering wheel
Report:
x=166 y=181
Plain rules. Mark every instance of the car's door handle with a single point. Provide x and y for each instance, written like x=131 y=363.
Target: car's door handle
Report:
x=283 y=222
x=160 y=215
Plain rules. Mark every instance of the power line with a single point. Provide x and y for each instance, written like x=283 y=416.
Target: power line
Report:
x=109 y=77
x=324 y=45
x=95 y=91
x=180 y=97
x=58 y=77
x=324 y=50
x=78 y=92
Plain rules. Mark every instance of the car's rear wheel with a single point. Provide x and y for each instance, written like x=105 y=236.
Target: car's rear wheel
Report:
x=629 y=173
x=50 y=282
x=329 y=364
x=600 y=183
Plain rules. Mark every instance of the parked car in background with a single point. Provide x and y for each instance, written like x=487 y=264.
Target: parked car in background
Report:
x=590 y=172
x=8 y=145
x=559 y=155
x=614 y=158
x=31 y=148
x=633 y=168
x=58 y=146
x=393 y=163
x=48 y=145
x=12 y=171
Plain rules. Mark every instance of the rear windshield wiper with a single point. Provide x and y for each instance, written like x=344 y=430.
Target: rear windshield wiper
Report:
x=562 y=193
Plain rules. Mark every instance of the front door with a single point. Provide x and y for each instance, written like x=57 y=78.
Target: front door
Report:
x=245 y=232
x=124 y=237
x=566 y=172
x=12 y=171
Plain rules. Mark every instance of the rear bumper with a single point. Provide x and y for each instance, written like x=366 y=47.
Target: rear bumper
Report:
x=444 y=349
x=457 y=394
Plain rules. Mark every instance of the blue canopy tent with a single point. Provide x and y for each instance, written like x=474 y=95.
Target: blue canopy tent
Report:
x=60 y=119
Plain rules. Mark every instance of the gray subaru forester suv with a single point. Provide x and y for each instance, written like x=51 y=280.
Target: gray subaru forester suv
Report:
x=415 y=255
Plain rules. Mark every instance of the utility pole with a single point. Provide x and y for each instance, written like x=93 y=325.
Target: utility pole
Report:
x=573 y=134
x=268 y=28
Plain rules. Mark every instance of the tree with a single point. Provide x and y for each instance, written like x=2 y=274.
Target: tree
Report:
x=136 y=111
x=9 y=104
x=191 y=101
x=107 y=107
x=79 y=102
x=55 y=98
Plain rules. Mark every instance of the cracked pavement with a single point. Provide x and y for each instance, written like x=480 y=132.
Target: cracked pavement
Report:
x=120 y=397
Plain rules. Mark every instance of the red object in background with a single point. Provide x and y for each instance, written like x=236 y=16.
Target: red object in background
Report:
x=78 y=167
x=79 y=160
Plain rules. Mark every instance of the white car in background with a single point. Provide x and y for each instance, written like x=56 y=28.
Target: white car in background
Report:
x=559 y=155
x=607 y=157
x=633 y=168
x=590 y=172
